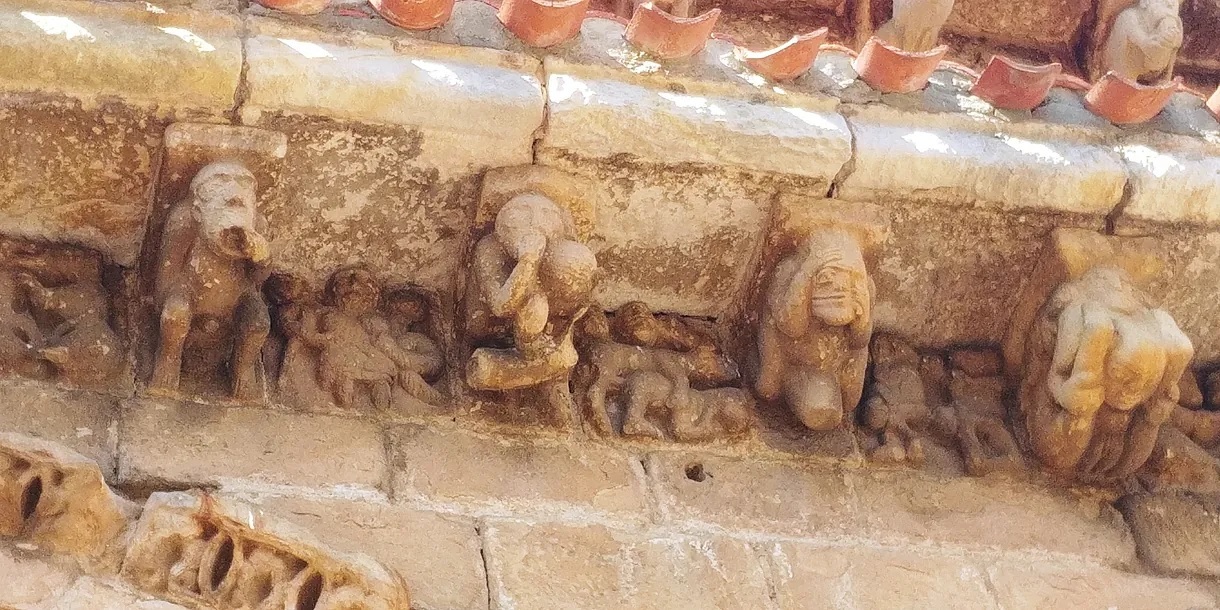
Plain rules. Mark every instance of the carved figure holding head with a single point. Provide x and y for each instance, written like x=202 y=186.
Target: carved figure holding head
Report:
x=815 y=328
x=1101 y=377
x=211 y=265
x=1143 y=41
x=531 y=275
x=915 y=25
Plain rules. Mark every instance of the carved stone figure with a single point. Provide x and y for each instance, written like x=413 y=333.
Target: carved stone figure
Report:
x=1143 y=41
x=979 y=426
x=531 y=283
x=1101 y=376
x=896 y=405
x=54 y=315
x=915 y=24
x=357 y=339
x=202 y=551
x=210 y=268
x=815 y=328
x=649 y=363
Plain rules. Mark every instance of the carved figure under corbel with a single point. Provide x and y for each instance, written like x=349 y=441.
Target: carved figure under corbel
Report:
x=1141 y=43
x=530 y=283
x=980 y=425
x=915 y=24
x=54 y=312
x=1100 y=377
x=210 y=267
x=815 y=328
x=359 y=341
x=896 y=409
x=665 y=377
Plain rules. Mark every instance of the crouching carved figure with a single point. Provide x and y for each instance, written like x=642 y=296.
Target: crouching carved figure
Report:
x=1101 y=376
x=1142 y=42
x=208 y=277
x=531 y=276
x=815 y=329
x=896 y=408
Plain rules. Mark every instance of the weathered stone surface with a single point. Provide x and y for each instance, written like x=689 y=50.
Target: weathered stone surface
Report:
x=1174 y=179
x=202 y=550
x=374 y=174
x=178 y=62
x=82 y=421
x=506 y=474
x=553 y=566
x=1048 y=586
x=438 y=555
x=989 y=513
x=961 y=160
x=1176 y=531
x=75 y=174
x=950 y=276
x=188 y=443
x=93 y=594
x=754 y=495
x=1183 y=285
x=56 y=499
x=1046 y=24
x=809 y=577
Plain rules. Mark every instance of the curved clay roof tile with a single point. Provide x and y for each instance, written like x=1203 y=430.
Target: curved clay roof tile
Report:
x=414 y=14
x=543 y=23
x=666 y=36
x=889 y=69
x=788 y=60
x=1013 y=85
x=1123 y=101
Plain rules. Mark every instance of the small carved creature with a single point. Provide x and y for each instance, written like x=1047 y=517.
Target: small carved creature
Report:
x=211 y=266
x=80 y=347
x=915 y=24
x=699 y=415
x=896 y=405
x=983 y=437
x=815 y=328
x=1144 y=40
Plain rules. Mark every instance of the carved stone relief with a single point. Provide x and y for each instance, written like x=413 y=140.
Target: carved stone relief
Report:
x=915 y=24
x=56 y=319
x=1098 y=367
x=531 y=280
x=57 y=499
x=206 y=258
x=1140 y=42
x=815 y=326
x=195 y=549
x=896 y=409
x=660 y=377
x=361 y=343
x=979 y=421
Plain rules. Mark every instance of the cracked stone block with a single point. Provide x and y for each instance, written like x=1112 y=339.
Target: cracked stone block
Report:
x=82 y=421
x=1173 y=180
x=808 y=577
x=374 y=174
x=1053 y=586
x=547 y=566
x=197 y=444
x=752 y=495
x=56 y=499
x=541 y=476
x=991 y=512
x=439 y=555
x=201 y=550
x=963 y=161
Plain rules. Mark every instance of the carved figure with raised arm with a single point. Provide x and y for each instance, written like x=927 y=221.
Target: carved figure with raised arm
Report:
x=1143 y=42
x=531 y=276
x=815 y=329
x=915 y=24
x=210 y=268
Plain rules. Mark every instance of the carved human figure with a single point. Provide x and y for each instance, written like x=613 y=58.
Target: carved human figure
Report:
x=896 y=405
x=1143 y=41
x=1101 y=376
x=531 y=276
x=814 y=331
x=209 y=272
x=697 y=415
x=915 y=24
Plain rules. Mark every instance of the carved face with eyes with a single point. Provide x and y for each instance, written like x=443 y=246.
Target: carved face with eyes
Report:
x=839 y=288
x=225 y=198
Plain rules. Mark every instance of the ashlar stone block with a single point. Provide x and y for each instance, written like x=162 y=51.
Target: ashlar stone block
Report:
x=81 y=421
x=1174 y=180
x=201 y=550
x=1063 y=587
x=546 y=566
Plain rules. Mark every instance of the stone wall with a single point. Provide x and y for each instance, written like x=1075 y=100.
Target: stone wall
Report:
x=700 y=174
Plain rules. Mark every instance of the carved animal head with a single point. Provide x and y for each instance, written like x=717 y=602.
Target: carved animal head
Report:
x=840 y=292
x=711 y=367
x=224 y=198
x=353 y=290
